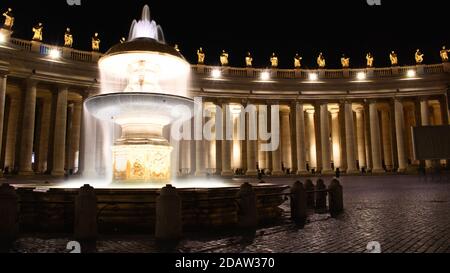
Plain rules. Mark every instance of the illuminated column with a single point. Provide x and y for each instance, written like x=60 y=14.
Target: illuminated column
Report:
x=335 y=137
x=285 y=138
x=387 y=145
x=236 y=146
x=276 y=155
x=252 y=149
x=301 y=136
x=263 y=156
x=59 y=147
x=312 y=138
x=201 y=151
x=425 y=118
x=45 y=130
x=325 y=139
x=360 y=138
x=13 y=118
x=3 y=82
x=29 y=112
x=367 y=137
x=375 y=138
x=212 y=144
x=350 y=139
x=227 y=125
x=400 y=133
x=75 y=137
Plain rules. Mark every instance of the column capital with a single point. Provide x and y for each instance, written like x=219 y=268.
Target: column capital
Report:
x=31 y=82
x=358 y=108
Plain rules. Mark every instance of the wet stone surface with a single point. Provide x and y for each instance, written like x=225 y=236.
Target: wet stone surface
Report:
x=403 y=213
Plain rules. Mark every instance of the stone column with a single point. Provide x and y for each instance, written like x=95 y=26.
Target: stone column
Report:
x=312 y=138
x=200 y=146
x=360 y=136
x=29 y=112
x=3 y=83
x=301 y=136
x=386 y=134
x=263 y=156
x=367 y=136
x=285 y=138
x=212 y=164
x=335 y=137
x=252 y=149
x=350 y=139
x=45 y=130
x=226 y=142
x=425 y=118
x=276 y=155
x=76 y=136
x=400 y=132
x=325 y=139
x=59 y=148
x=375 y=138
x=13 y=118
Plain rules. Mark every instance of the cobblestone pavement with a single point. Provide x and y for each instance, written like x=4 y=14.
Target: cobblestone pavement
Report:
x=402 y=213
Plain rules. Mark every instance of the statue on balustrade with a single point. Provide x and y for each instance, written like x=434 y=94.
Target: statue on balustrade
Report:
x=68 y=38
x=177 y=48
x=123 y=40
x=394 y=58
x=419 y=56
x=345 y=61
x=274 y=60
x=96 y=42
x=9 y=19
x=224 y=58
x=370 y=59
x=444 y=54
x=297 y=61
x=201 y=56
x=249 y=60
x=321 y=61
x=37 y=30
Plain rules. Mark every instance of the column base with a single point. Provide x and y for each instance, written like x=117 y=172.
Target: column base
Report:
x=303 y=173
x=328 y=172
x=200 y=174
x=352 y=172
x=379 y=171
x=401 y=170
x=252 y=173
x=278 y=173
x=26 y=173
x=58 y=173
x=227 y=173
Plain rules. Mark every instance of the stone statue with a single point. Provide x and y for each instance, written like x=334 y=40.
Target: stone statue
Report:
x=419 y=56
x=274 y=60
x=345 y=61
x=369 y=58
x=444 y=54
x=123 y=40
x=9 y=19
x=224 y=58
x=297 y=61
x=201 y=56
x=96 y=42
x=68 y=38
x=37 y=30
x=177 y=48
x=321 y=61
x=249 y=60
x=394 y=58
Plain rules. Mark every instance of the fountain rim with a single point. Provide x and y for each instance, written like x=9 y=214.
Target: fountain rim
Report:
x=139 y=94
x=142 y=45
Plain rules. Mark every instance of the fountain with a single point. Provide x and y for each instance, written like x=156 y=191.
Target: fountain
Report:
x=143 y=89
x=144 y=106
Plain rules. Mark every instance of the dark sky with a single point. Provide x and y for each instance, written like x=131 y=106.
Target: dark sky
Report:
x=285 y=27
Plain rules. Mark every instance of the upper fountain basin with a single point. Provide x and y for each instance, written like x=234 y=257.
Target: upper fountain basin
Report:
x=165 y=60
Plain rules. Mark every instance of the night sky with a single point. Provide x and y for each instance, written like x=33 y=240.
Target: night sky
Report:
x=262 y=27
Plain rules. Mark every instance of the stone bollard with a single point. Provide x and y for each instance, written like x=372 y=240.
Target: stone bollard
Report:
x=9 y=208
x=247 y=211
x=86 y=229
x=298 y=204
x=309 y=187
x=321 y=196
x=169 y=223
x=335 y=198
